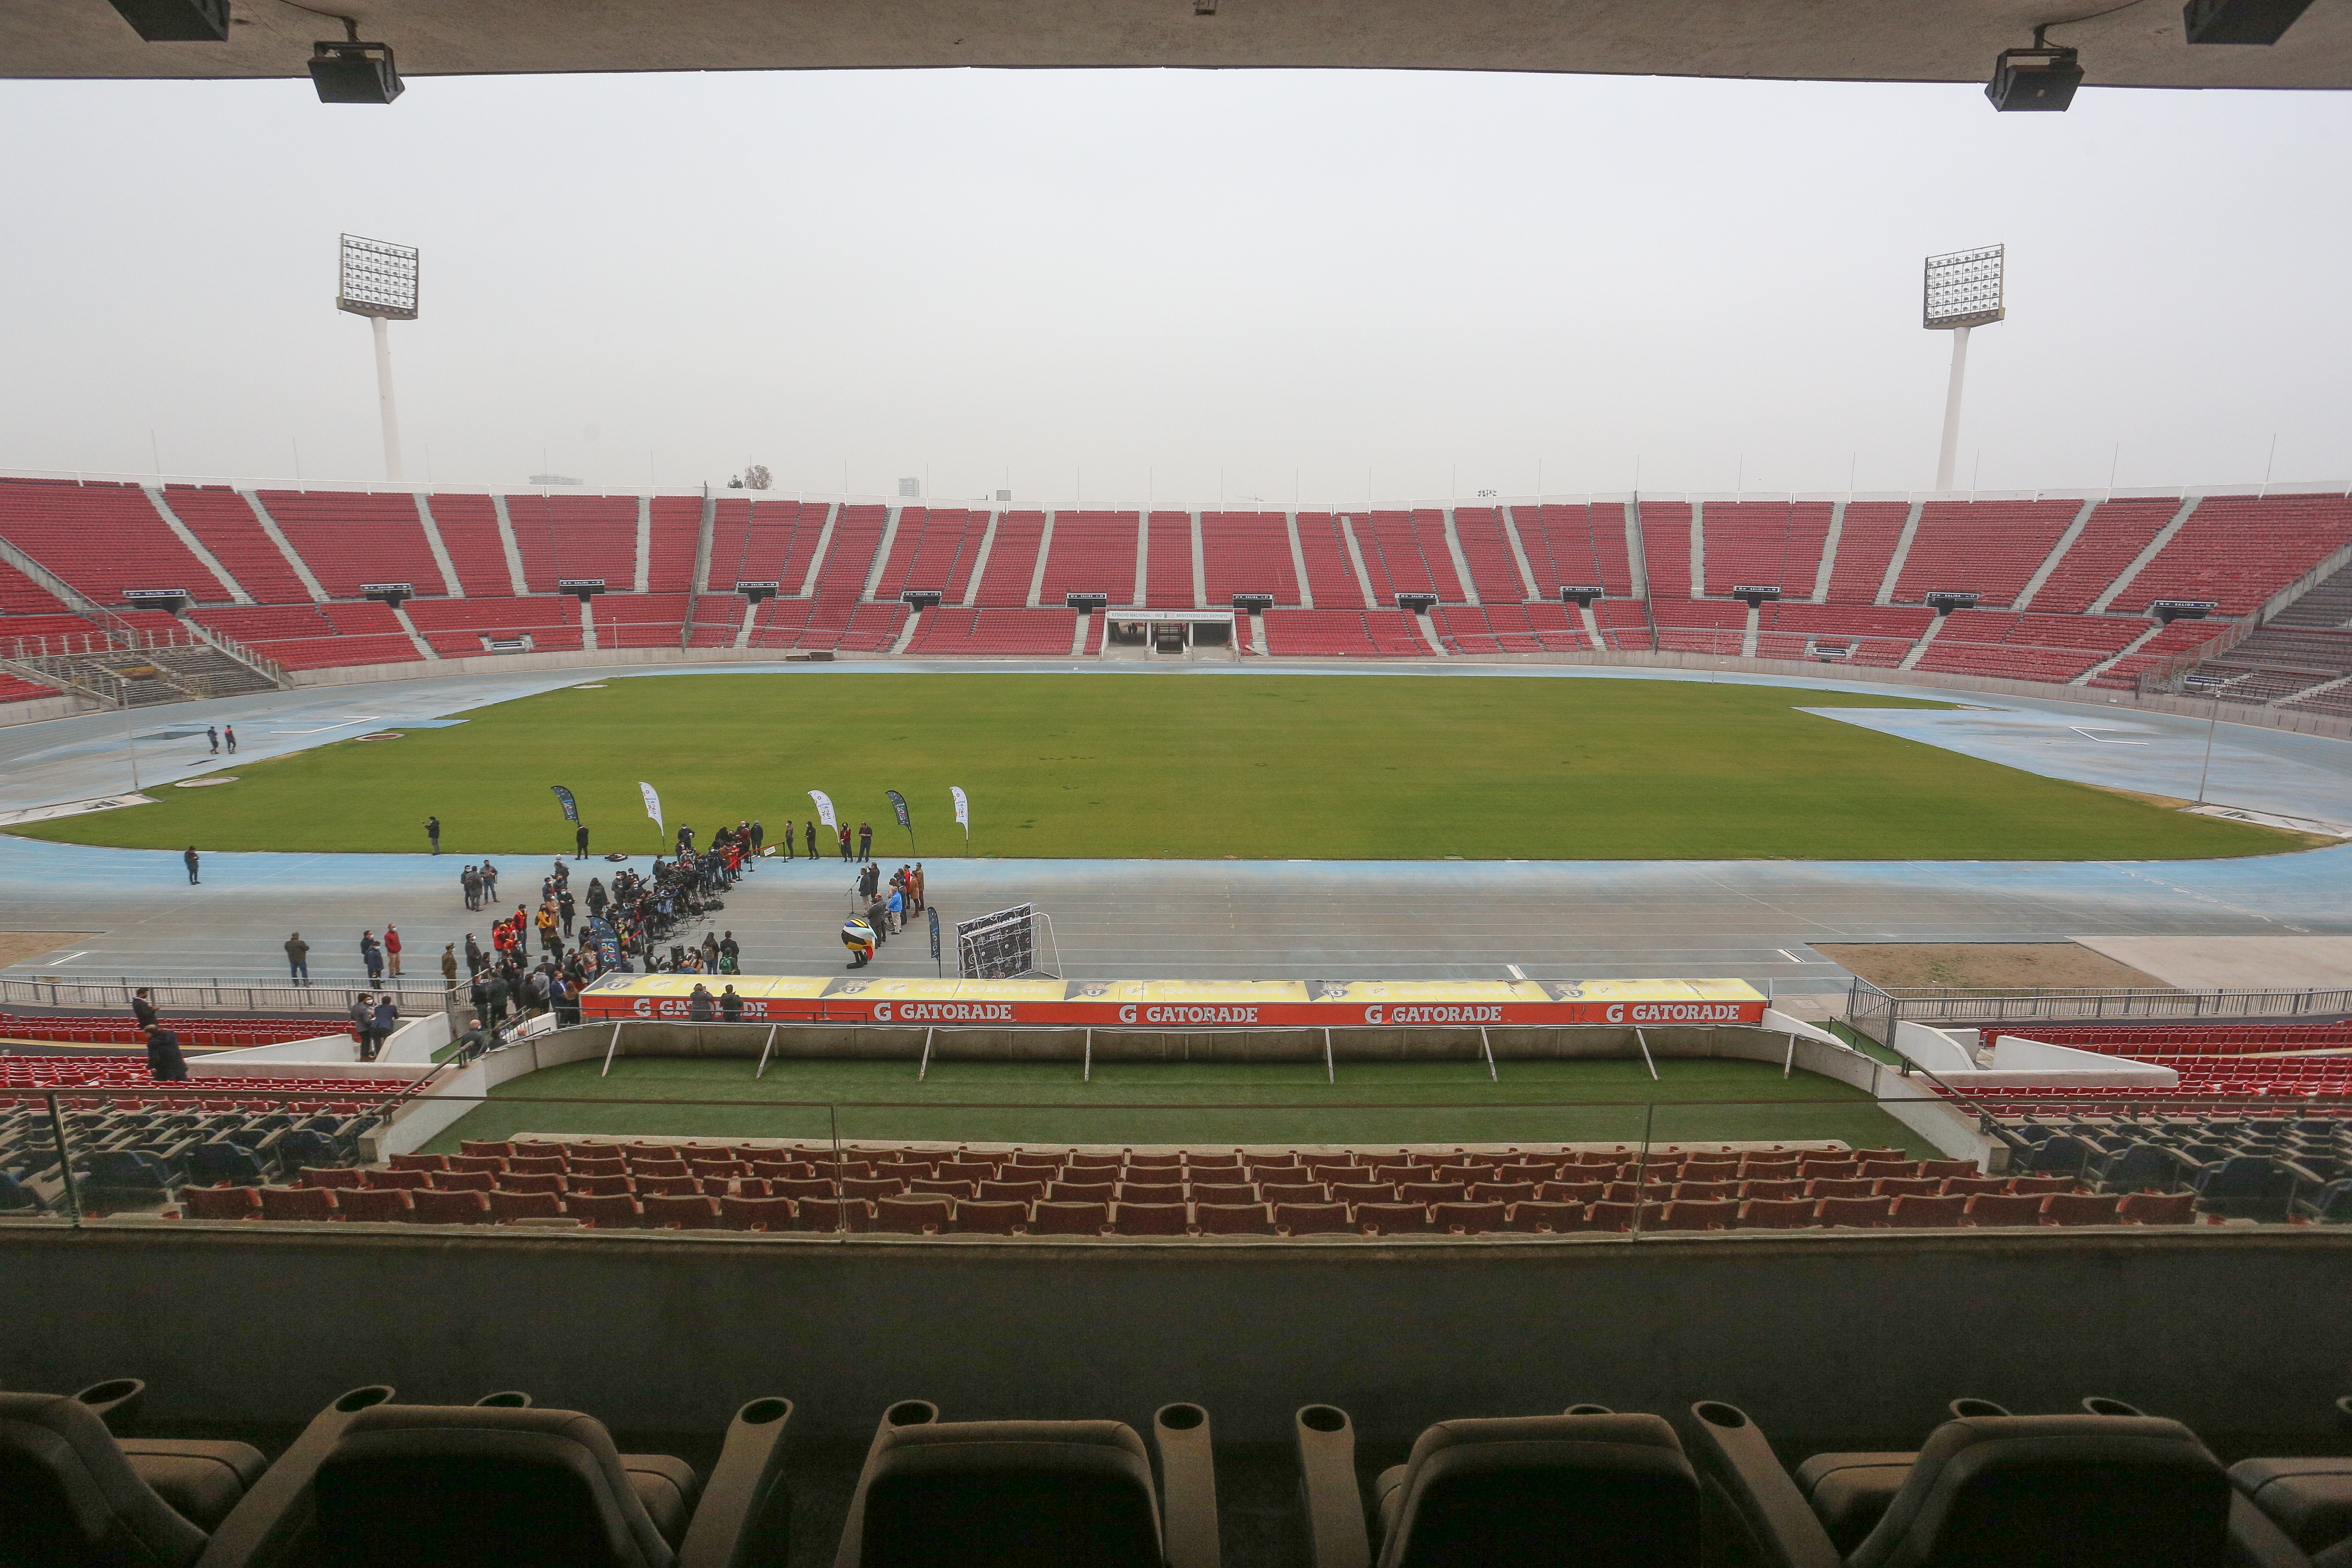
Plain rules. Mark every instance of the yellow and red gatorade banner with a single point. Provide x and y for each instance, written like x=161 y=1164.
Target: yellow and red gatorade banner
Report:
x=1188 y=1003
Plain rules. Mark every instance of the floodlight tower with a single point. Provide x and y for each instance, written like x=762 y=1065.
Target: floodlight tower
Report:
x=1962 y=291
x=378 y=281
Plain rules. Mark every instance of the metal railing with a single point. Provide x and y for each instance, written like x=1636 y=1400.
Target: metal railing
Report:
x=1876 y=1010
x=418 y=997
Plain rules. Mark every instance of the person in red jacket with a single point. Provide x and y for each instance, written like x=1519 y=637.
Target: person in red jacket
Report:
x=392 y=949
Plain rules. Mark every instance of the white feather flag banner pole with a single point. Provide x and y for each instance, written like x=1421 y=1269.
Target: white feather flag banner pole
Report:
x=824 y=807
x=653 y=804
x=963 y=813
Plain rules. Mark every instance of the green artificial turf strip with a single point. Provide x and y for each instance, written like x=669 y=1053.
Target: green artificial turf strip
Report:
x=1202 y=767
x=1134 y=1103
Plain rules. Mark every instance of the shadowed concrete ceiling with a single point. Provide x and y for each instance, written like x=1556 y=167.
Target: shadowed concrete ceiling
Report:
x=2137 y=44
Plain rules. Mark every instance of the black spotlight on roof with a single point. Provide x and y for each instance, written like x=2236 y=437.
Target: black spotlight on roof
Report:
x=2227 y=21
x=177 y=21
x=2043 y=78
x=354 y=72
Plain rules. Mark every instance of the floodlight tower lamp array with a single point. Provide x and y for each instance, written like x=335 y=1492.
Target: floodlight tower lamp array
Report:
x=1961 y=289
x=379 y=281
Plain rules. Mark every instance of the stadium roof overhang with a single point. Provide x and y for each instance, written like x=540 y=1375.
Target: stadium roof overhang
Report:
x=2139 y=44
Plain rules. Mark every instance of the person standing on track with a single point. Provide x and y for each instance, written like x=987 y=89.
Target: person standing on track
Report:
x=212 y=735
x=298 y=957
x=433 y=832
x=371 y=955
x=489 y=883
x=812 y=839
x=392 y=949
x=565 y=908
x=449 y=966
x=190 y=859
x=759 y=835
x=866 y=841
x=581 y=839
x=230 y=731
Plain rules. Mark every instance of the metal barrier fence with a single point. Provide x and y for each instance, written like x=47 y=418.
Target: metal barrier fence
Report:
x=281 y=996
x=1876 y=1010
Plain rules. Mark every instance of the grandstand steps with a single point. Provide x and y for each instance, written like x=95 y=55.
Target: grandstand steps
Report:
x=743 y=627
x=1038 y=570
x=2133 y=647
x=1591 y=626
x=1078 y=637
x=1461 y=567
x=640 y=582
x=881 y=554
x=2321 y=597
x=1257 y=634
x=451 y=584
x=1429 y=635
x=2025 y=599
x=1698 y=550
x=424 y=649
x=1519 y=553
x=1143 y=559
x=1200 y=566
x=2308 y=692
x=516 y=581
x=1820 y=595
x=277 y=536
x=1747 y=637
x=1637 y=556
x=197 y=547
x=1356 y=559
x=823 y=548
x=1298 y=562
x=1911 y=658
x=906 y=633
x=980 y=560
x=2148 y=552
x=1903 y=542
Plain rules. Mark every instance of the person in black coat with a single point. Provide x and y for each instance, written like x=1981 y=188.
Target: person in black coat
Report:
x=163 y=1059
x=581 y=839
x=142 y=1007
x=730 y=1006
x=699 y=1005
x=190 y=857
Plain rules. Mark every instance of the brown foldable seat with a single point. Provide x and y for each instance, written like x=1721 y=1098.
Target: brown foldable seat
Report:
x=755 y=1213
x=1262 y=1173
x=219 y=1202
x=1080 y=1191
x=1709 y=1213
x=613 y=1211
x=1360 y=1192
x=666 y=1186
x=1888 y=1170
x=1778 y=1214
x=374 y=1206
x=800 y=1187
x=336 y=1176
x=1501 y=1192
x=495 y=1165
x=1578 y=1193
x=1391 y=1172
x=973 y=1171
x=1149 y=1220
x=643 y=1168
x=1829 y=1169
x=1310 y=1219
x=1467 y=1218
x=1233 y=1219
x=531 y=1182
x=507 y=1205
x=602 y=1163
x=1609 y=1214
x=1867 y=1213
x=470 y=1148
x=1326 y=1172
x=460 y=1181
x=1113 y=1161
x=1704 y=1192
x=871 y=1187
x=1463 y=1172
x=706 y=1169
x=1968 y=1186
x=939 y=1187
x=1432 y=1191
x=991 y=1217
x=2157 y=1208
x=535 y=1165
x=1599 y=1490
x=1767 y=1169
x=850 y=1215
x=1150 y=1192
x=420 y=1162
x=1711 y=1171
x=1551 y=1219
x=1910 y=1211
x=1204 y=1162
x=434 y=1207
x=1848 y=1187
x=1012 y=1192
x=1294 y=1192
x=1994 y=1209
x=680 y=1212
x=1052 y=1218
x=399 y=1180
x=1160 y=1162
x=2310 y=1501
x=1909 y=1186
x=1392 y=1220
x=73 y=1494
x=2081 y=1208
x=1941 y=1168
x=783 y=1170
x=596 y=1187
x=2023 y=1186
x=1223 y=1192
x=1528 y=1171
x=912 y=1215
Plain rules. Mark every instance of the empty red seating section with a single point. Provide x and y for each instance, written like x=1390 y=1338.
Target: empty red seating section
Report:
x=2179 y=638
x=1359 y=633
x=1874 y=635
x=934 y=551
x=647 y=620
x=1168 y=572
x=2116 y=533
x=953 y=630
x=1405 y=553
x=2163 y=1041
x=1510 y=628
x=1866 y=541
x=1765 y=544
x=574 y=536
x=1091 y=552
x=1330 y=573
x=314 y=636
x=1575 y=546
x=102 y=538
x=1494 y=570
x=16 y=689
x=456 y=627
x=766 y=542
x=223 y=521
x=2053 y=648
x=2239 y=550
x=1011 y=559
x=1245 y=553
x=1989 y=547
x=469 y=526
x=197 y=1029
x=1666 y=548
x=347 y=538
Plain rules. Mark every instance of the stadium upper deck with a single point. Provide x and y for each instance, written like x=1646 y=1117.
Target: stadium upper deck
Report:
x=2065 y=587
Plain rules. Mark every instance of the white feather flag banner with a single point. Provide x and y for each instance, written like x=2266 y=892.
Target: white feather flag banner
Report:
x=653 y=804
x=824 y=807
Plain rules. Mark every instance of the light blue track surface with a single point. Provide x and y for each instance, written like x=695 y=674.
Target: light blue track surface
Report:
x=1552 y=920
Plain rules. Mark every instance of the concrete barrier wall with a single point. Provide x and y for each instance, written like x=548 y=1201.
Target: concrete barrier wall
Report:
x=1833 y=1339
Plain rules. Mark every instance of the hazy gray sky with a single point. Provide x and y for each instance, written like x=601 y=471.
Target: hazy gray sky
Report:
x=1163 y=282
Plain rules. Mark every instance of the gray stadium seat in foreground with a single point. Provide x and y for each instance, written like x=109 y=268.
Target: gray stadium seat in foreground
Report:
x=2019 y=1491
x=74 y=1494
x=1591 y=1488
x=1033 y=1494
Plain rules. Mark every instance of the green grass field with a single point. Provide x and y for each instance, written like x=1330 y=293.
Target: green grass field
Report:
x=1133 y=1103
x=1360 y=767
